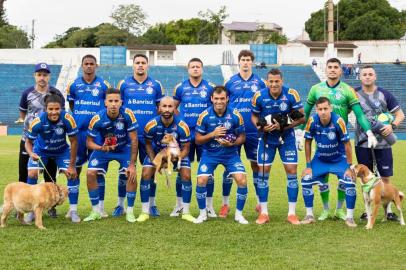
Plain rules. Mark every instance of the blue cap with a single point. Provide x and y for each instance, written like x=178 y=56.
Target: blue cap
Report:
x=42 y=67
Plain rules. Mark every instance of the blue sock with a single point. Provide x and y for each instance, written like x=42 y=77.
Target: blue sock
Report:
x=292 y=188
x=241 y=197
x=94 y=196
x=152 y=192
x=178 y=186
x=210 y=186
x=102 y=186
x=145 y=188
x=308 y=195
x=186 y=191
x=73 y=190
x=201 y=193
x=227 y=184
x=341 y=186
x=122 y=185
x=32 y=181
x=130 y=198
x=350 y=194
x=255 y=176
x=263 y=187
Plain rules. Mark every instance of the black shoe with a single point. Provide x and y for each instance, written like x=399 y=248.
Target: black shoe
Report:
x=52 y=213
x=364 y=216
x=392 y=217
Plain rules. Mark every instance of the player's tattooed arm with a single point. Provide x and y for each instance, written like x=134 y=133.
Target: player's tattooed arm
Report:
x=184 y=152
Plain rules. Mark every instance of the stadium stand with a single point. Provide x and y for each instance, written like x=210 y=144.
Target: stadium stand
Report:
x=14 y=79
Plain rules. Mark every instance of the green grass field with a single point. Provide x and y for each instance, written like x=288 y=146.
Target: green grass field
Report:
x=171 y=243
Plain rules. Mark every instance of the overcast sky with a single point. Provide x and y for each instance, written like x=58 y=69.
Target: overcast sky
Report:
x=54 y=17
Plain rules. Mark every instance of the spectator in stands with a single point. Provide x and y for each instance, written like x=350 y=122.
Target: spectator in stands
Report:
x=263 y=65
x=374 y=100
x=359 y=59
x=31 y=105
x=357 y=72
x=397 y=61
x=314 y=63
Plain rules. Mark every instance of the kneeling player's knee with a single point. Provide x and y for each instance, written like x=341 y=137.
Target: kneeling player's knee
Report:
x=241 y=179
x=202 y=180
x=147 y=173
x=91 y=175
x=185 y=175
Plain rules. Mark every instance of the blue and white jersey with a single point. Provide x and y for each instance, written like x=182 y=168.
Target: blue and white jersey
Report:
x=102 y=126
x=265 y=104
x=209 y=120
x=240 y=93
x=142 y=98
x=155 y=130
x=193 y=100
x=329 y=139
x=88 y=99
x=50 y=137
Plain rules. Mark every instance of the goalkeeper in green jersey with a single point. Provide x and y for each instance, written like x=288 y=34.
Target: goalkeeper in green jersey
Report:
x=344 y=100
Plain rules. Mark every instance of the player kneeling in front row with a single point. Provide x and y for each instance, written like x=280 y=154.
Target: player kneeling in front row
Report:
x=333 y=155
x=112 y=135
x=49 y=132
x=220 y=130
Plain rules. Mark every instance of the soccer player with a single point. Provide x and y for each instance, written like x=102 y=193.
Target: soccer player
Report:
x=241 y=88
x=86 y=97
x=344 y=100
x=112 y=135
x=192 y=97
x=48 y=132
x=31 y=106
x=214 y=130
x=333 y=155
x=142 y=94
x=155 y=130
x=276 y=99
x=375 y=100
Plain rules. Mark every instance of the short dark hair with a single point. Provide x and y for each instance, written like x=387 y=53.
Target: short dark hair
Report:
x=52 y=98
x=334 y=60
x=246 y=53
x=195 y=59
x=112 y=90
x=89 y=56
x=218 y=89
x=140 y=55
x=367 y=66
x=321 y=100
x=274 y=71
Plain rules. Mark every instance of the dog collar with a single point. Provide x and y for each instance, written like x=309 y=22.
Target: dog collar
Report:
x=370 y=184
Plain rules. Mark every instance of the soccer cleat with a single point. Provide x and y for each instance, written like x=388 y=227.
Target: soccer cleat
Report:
x=118 y=211
x=129 y=216
x=52 y=212
x=262 y=219
x=240 y=219
x=103 y=213
x=154 y=212
x=392 y=217
x=176 y=211
x=293 y=219
x=201 y=218
x=142 y=217
x=93 y=216
x=363 y=216
x=258 y=208
x=324 y=215
x=74 y=217
x=350 y=223
x=339 y=213
x=224 y=210
x=211 y=213
x=188 y=217
x=308 y=220
x=29 y=217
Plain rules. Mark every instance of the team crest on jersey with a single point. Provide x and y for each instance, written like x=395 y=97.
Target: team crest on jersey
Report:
x=119 y=125
x=254 y=88
x=331 y=135
x=203 y=168
x=94 y=162
x=227 y=125
x=203 y=93
x=59 y=131
x=95 y=92
x=338 y=95
x=149 y=90
x=283 y=106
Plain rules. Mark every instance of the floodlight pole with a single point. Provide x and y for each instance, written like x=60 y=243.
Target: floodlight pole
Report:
x=330 y=29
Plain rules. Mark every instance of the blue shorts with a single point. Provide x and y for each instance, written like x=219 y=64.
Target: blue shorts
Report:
x=142 y=152
x=62 y=160
x=384 y=159
x=287 y=152
x=250 y=147
x=99 y=160
x=208 y=164
x=194 y=148
x=321 y=168
x=184 y=163
x=83 y=153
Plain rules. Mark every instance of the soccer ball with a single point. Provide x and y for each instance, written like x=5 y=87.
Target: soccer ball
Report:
x=385 y=118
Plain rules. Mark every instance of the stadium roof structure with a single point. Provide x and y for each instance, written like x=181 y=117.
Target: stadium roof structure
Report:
x=323 y=44
x=251 y=26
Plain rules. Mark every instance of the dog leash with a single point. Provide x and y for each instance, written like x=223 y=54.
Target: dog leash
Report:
x=374 y=164
x=42 y=163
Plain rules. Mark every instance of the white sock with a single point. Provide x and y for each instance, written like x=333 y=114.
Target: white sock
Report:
x=209 y=202
x=350 y=213
x=179 y=202
x=226 y=200
x=238 y=213
x=95 y=208
x=186 y=207
x=264 y=208
x=203 y=212
x=152 y=201
x=101 y=205
x=389 y=208
x=292 y=208
x=309 y=211
x=121 y=201
x=73 y=207
x=130 y=209
x=145 y=207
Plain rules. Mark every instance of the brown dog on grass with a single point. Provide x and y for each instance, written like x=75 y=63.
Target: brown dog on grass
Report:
x=26 y=198
x=166 y=155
